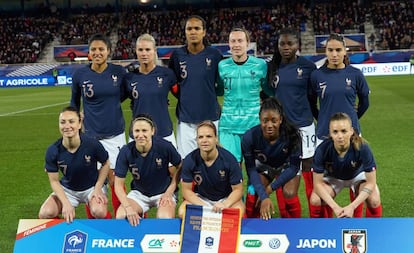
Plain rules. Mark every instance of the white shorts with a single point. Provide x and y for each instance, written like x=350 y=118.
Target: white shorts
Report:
x=338 y=184
x=308 y=141
x=186 y=137
x=208 y=201
x=146 y=202
x=77 y=197
x=112 y=146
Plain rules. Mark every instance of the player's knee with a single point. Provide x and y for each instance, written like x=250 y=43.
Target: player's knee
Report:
x=47 y=213
x=374 y=201
x=99 y=213
x=166 y=214
x=289 y=193
x=315 y=200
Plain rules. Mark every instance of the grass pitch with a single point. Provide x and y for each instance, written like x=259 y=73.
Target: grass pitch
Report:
x=29 y=124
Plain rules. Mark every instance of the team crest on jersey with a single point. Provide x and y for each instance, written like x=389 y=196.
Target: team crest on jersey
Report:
x=354 y=164
x=159 y=80
x=354 y=240
x=252 y=74
x=115 y=80
x=348 y=83
x=208 y=63
x=300 y=73
x=222 y=174
x=88 y=159
x=158 y=161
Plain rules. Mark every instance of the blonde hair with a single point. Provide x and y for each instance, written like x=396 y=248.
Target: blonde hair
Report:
x=148 y=37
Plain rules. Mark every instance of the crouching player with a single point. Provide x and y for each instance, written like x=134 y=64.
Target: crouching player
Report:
x=344 y=160
x=75 y=156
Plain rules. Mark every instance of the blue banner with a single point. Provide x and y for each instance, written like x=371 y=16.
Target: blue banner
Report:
x=163 y=235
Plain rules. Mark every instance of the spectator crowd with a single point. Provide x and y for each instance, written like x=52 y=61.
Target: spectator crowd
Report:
x=24 y=38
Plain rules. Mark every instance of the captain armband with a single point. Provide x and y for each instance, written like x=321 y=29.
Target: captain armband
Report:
x=369 y=191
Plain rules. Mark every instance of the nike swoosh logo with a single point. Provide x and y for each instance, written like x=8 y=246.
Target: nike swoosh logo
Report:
x=134 y=83
x=86 y=82
x=182 y=62
x=322 y=83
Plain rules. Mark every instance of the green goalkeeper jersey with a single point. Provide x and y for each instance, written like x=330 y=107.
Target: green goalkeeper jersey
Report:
x=242 y=84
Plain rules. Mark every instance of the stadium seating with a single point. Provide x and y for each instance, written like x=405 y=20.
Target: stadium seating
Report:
x=24 y=38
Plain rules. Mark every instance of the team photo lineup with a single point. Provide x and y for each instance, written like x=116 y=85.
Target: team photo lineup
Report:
x=266 y=121
x=274 y=137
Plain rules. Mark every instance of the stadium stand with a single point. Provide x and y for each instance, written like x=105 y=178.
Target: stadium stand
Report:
x=23 y=38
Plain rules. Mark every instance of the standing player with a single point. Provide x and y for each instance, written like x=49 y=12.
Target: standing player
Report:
x=195 y=66
x=241 y=78
x=148 y=88
x=100 y=85
x=75 y=156
x=153 y=183
x=340 y=88
x=289 y=75
x=271 y=149
x=215 y=171
x=345 y=160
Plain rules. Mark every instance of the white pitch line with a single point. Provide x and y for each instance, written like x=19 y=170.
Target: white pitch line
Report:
x=32 y=109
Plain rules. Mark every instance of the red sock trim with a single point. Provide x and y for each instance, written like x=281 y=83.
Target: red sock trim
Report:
x=281 y=203
x=293 y=207
x=374 y=212
x=251 y=210
x=315 y=211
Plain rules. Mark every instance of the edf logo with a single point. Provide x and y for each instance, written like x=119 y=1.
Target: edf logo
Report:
x=369 y=69
x=400 y=68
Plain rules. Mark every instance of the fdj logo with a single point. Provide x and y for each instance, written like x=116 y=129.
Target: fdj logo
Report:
x=75 y=242
x=156 y=243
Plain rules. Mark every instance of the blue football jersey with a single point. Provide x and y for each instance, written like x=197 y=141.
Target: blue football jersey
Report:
x=257 y=150
x=214 y=182
x=79 y=169
x=149 y=94
x=102 y=94
x=327 y=161
x=338 y=91
x=293 y=89
x=196 y=75
x=150 y=174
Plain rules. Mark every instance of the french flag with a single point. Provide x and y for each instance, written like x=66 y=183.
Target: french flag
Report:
x=203 y=230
